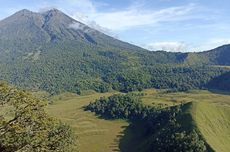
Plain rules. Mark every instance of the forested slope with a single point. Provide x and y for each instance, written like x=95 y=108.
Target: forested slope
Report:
x=51 y=51
x=165 y=129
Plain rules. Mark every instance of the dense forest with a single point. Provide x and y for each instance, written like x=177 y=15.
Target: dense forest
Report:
x=178 y=78
x=221 y=82
x=26 y=127
x=162 y=127
x=41 y=51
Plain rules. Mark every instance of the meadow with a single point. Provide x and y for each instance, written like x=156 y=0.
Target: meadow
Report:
x=210 y=112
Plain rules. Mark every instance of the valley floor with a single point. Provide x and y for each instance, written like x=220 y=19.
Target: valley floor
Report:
x=210 y=112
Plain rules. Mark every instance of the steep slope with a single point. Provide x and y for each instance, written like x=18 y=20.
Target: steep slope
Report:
x=218 y=56
x=195 y=59
x=53 y=52
x=221 y=82
x=212 y=121
x=50 y=26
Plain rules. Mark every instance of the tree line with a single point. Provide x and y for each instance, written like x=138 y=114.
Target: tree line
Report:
x=162 y=128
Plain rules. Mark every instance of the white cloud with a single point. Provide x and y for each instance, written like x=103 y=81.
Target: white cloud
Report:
x=92 y=24
x=138 y=16
x=44 y=9
x=134 y=15
x=77 y=26
x=171 y=46
x=174 y=46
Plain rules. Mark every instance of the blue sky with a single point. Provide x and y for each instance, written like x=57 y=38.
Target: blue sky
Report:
x=173 y=25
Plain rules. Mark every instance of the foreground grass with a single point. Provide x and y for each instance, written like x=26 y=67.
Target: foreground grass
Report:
x=94 y=134
x=210 y=113
x=213 y=121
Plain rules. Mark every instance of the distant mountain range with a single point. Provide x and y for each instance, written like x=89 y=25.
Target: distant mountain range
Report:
x=53 y=52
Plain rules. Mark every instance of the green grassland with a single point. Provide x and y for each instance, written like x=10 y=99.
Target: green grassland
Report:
x=94 y=134
x=213 y=121
x=210 y=113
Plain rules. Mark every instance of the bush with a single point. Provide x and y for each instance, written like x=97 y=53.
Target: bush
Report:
x=27 y=127
x=160 y=123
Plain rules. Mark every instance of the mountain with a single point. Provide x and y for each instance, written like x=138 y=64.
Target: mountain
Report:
x=219 y=55
x=51 y=27
x=53 y=52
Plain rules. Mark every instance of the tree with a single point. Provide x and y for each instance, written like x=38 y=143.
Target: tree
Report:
x=163 y=130
x=25 y=126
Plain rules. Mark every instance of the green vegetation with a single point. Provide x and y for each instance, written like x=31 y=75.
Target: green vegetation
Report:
x=94 y=134
x=217 y=56
x=120 y=135
x=25 y=126
x=51 y=56
x=221 y=82
x=161 y=124
x=177 y=78
x=213 y=121
x=208 y=112
x=41 y=51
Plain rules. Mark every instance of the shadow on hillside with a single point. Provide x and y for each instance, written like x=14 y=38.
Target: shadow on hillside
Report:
x=220 y=84
x=219 y=92
x=132 y=138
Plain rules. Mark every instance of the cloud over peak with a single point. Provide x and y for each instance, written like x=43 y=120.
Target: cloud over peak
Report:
x=167 y=46
x=174 y=25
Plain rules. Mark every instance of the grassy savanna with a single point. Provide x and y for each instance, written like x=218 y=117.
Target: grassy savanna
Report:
x=153 y=97
x=96 y=134
x=209 y=112
x=213 y=121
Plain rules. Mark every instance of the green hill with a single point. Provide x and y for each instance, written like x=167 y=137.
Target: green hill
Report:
x=207 y=112
x=118 y=135
x=72 y=65
x=213 y=121
x=51 y=51
x=218 y=56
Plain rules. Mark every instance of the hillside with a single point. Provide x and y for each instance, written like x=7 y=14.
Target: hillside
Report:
x=213 y=121
x=88 y=127
x=205 y=112
x=53 y=52
x=70 y=87
x=208 y=113
x=218 y=56
x=221 y=82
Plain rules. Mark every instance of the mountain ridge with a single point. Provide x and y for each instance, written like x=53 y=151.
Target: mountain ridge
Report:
x=52 y=51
